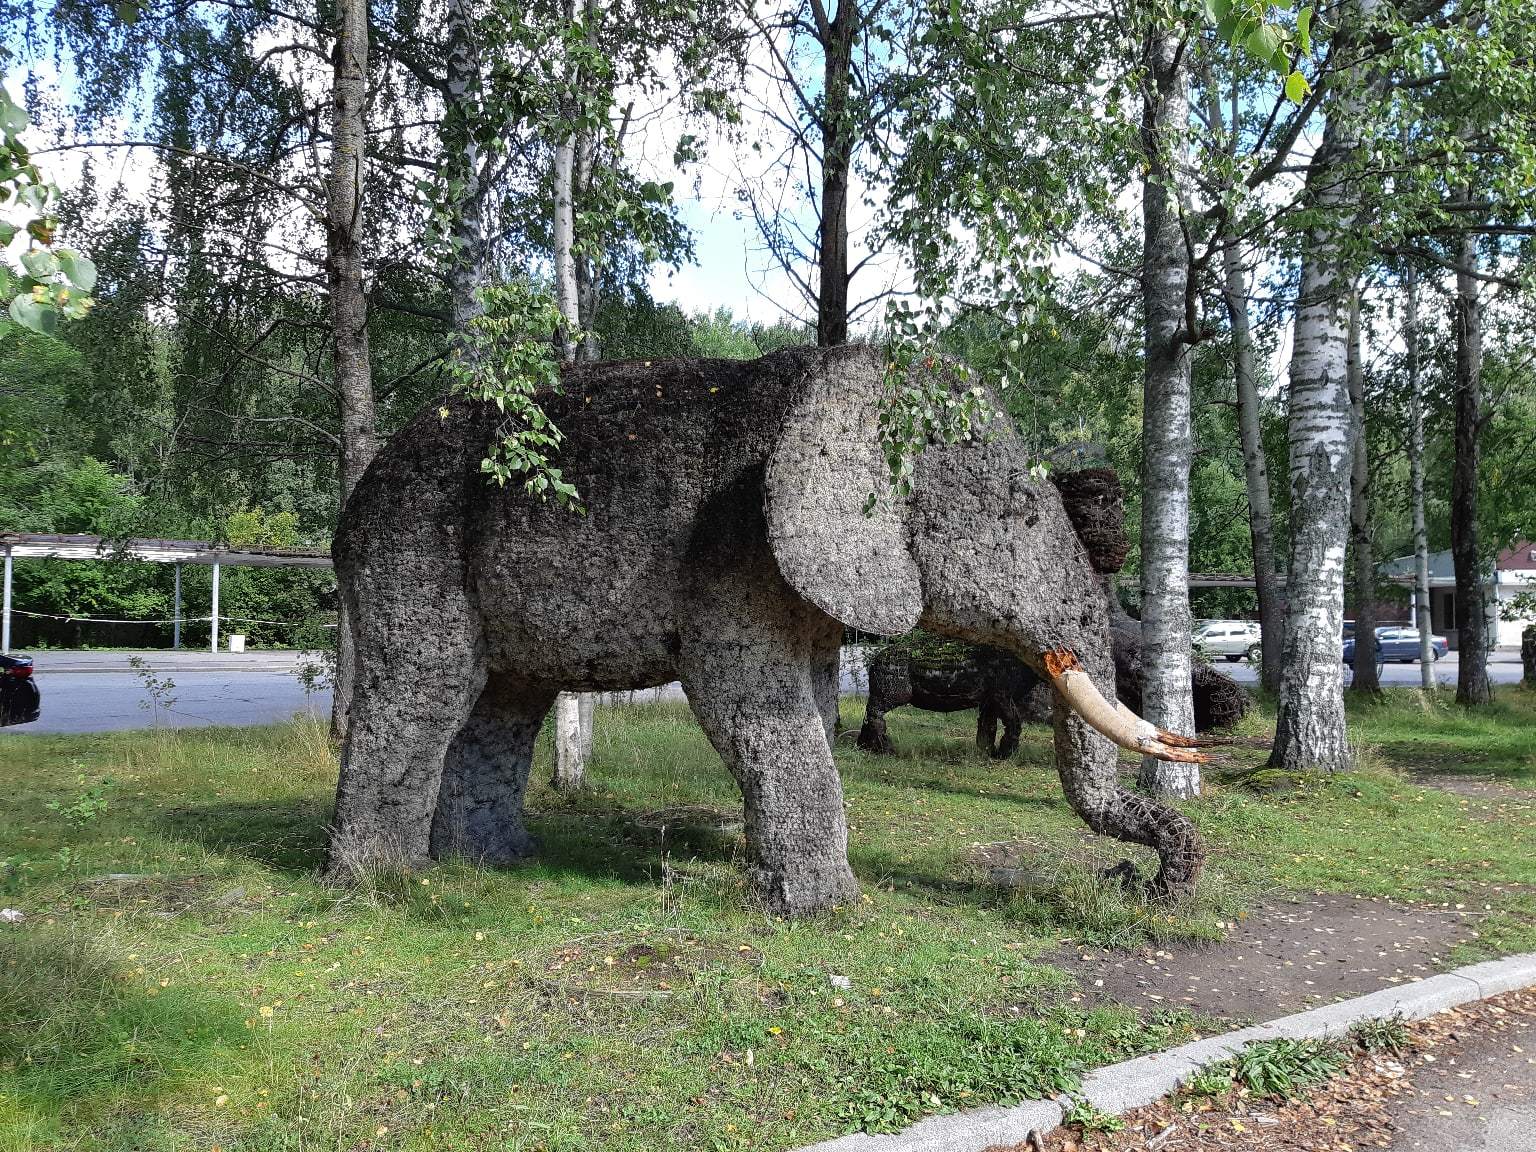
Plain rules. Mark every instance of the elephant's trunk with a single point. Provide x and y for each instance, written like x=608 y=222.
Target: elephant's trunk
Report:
x=1115 y=722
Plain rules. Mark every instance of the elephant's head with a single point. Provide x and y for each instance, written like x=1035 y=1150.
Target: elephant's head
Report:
x=982 y=550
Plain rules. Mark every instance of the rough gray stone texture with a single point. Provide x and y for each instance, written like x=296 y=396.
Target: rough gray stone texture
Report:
x=1001 y=687
x=724 y=544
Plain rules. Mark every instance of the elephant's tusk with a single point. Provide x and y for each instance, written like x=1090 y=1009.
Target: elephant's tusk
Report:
x=1173 y=739
x=1116 y=722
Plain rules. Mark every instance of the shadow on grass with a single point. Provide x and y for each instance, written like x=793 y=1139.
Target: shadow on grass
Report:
x=290 y=836
x=287 y=835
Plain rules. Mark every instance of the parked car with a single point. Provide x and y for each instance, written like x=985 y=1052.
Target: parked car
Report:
x=1234 y=639
x=20 y=701
x=1397 y=644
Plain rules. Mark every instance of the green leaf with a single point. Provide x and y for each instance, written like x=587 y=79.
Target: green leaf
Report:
x=30 y=313
x=1296 y=88
x=12 y=118
x=80 y=269
x=7 y=232
x=1304 y=30
x=128 y=12
x=1264 y=41
x=40 y=262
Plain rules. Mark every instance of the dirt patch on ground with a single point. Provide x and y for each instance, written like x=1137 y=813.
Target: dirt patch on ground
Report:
x=1283 y=958
x=1474 y=787
x=1466 y=1082
x=653 y=964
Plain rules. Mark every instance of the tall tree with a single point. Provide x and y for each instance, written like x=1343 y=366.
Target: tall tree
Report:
x=1168 y=441
x=1366 y=681
x=1424 y=616
x=353 y=373
x=1310 y=728
x=1466 y=555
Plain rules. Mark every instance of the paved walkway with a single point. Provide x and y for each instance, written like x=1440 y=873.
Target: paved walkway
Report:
x=1478 y=1095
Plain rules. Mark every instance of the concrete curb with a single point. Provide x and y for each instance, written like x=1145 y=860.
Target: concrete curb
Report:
x=1120 y=1087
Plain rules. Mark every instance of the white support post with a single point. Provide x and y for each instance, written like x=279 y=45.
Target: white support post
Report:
x=213 y=620
x=176 y=613
x=5 y=618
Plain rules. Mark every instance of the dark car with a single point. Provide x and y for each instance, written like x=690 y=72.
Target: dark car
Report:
x=1397 y=644
x=20 y=701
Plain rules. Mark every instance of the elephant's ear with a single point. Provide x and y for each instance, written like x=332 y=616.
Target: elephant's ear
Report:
x=854 y=565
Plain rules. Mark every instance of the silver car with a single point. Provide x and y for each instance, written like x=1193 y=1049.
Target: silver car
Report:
x=1233 y=639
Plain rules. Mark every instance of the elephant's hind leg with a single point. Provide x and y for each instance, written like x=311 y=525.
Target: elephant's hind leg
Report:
x=986 y=726
x=485 y=774
x=890 y=686
x=826 y=682
x=1011 y=712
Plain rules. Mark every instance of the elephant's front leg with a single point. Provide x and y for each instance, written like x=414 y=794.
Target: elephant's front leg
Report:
x=752 y=689
x=485 y=774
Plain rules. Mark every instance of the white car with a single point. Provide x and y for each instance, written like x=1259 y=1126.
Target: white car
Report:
x=1234 y=639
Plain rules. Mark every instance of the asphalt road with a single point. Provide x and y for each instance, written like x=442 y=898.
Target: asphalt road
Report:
x=96 y=691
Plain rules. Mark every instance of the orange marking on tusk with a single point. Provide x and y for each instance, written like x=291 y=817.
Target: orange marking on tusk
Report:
x=1059 y=660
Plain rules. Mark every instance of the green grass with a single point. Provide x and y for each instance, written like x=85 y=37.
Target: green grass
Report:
x=182 y=982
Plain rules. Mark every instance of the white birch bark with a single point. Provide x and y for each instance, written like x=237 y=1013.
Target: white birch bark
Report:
x=1310 y=731
x=570 y=742
x=466 y=270
x=1423 y=614
x=1167 y=439
x=353 y=375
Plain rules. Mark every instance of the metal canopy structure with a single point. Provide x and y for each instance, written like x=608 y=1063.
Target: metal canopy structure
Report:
x=49 y=546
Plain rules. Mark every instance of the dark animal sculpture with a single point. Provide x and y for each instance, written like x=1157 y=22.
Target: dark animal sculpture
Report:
x=726 y=543
x=950 y=677
x=1005 y=691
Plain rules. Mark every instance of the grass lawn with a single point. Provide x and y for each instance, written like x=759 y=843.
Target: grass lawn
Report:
x=182 y=983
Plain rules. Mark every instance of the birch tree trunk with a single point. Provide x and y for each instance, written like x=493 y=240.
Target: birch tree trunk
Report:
x=837 y=37
x=348 y=302
x=1424 y=617
x=466 y=270
x=1310 y=731
x=1366 y=680
x=1167 y=441
x=1471 y=609
x=570 y=745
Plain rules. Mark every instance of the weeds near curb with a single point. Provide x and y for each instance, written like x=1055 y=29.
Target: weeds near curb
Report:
x=1084 y=1115
x=1381 y=1034
x=1281 y=1067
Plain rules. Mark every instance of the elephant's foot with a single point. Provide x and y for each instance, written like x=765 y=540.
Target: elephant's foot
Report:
x=497 y=845
x=362 y=857
x=874 y=738
x=807 y=888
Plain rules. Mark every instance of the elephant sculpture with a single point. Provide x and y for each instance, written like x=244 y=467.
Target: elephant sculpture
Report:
x=951 y=677
x=727 y=539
